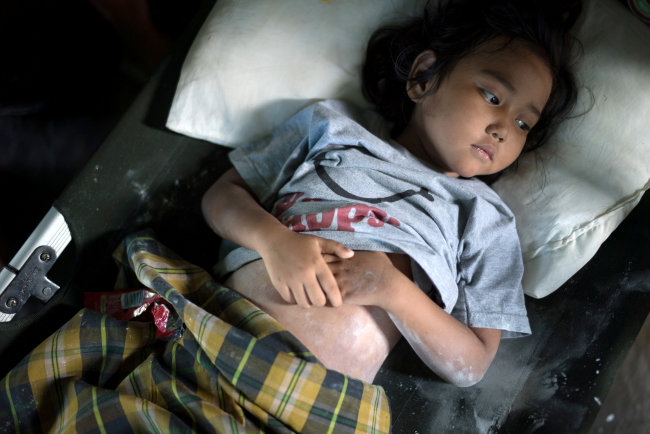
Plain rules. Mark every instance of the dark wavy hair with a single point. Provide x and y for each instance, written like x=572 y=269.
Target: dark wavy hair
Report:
x=452 y=29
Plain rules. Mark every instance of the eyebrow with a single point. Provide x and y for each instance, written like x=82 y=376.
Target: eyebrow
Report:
x=506 y=83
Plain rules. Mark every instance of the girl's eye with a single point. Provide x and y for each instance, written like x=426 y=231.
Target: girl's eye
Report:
x=523 y=125
x=490 y=97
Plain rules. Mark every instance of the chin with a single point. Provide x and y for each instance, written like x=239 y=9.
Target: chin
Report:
x=467 y=173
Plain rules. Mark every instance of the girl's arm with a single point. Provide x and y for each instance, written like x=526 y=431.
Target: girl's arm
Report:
x=456 y=352
x=294 y=261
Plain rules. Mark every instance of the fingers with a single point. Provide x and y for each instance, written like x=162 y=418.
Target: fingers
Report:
x=329 y=259
x=309 y=280
x=330 y=287
x=293 y=293
x=285 y=293
x=303 y=294
x=335 y=248
x=318 y=291
x=315 y=294
x=301 y=297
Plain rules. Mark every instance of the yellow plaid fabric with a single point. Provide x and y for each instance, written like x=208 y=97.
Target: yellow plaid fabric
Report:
x=233 y=369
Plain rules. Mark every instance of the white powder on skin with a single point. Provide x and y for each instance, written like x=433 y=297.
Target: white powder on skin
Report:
x=454 y=370
x=359 y=352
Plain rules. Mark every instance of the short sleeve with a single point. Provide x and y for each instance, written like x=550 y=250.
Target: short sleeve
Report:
x=268 y=163
x=490 y=265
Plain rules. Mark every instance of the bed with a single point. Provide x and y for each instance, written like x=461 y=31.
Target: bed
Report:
x=584 y=312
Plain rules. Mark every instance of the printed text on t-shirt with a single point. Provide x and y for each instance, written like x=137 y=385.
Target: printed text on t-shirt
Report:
x=344 y=216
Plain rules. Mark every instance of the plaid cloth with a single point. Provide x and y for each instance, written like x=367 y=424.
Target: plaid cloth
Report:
x=231 y=368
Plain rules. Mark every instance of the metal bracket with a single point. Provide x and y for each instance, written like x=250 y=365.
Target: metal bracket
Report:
x=25 y=275
x=31 y=280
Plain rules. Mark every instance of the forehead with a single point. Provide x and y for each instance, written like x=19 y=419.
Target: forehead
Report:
x=516 y=52
x=515 y=60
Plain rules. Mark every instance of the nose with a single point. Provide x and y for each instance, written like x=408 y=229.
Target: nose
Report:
x=497 y=132
x=497 y=136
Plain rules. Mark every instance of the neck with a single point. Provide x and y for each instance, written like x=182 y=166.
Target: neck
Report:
x=409 y=139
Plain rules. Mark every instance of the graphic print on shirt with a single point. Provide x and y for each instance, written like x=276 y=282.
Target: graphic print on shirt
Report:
x=336 y=188
x=344 y=217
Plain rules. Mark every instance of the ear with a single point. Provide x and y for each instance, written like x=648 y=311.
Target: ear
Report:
x=424 y=61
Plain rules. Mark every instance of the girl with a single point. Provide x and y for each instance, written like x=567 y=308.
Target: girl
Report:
x=365 y=237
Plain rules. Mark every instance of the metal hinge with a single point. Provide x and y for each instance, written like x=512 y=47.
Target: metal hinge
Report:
x=26 y=274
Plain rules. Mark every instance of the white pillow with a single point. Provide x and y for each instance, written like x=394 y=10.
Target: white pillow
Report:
x=254 y=64
x=597 y=166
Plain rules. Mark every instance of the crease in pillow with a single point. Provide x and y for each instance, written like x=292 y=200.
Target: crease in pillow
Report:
x=625 y=205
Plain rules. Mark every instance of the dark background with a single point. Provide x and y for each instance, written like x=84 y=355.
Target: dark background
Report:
x=70 y=68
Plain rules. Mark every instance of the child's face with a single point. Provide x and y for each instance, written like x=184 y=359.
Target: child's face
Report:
x=476 y=122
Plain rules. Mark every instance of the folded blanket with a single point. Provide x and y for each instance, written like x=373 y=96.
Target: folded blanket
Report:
x=230 y=368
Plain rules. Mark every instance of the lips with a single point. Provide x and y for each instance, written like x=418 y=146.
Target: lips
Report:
x=486 y=152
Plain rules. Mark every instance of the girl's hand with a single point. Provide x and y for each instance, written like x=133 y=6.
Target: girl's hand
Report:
x=298 y=270
x=365 y=278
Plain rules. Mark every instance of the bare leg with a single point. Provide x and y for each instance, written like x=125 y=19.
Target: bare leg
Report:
x=354 y=340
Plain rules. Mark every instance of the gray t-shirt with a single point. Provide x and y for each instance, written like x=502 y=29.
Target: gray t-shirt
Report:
x=325 y=174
